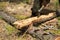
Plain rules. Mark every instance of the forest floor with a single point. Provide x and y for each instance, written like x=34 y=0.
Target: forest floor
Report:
x=19 y=11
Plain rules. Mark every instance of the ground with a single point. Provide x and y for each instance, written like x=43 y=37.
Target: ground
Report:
x=21 y=11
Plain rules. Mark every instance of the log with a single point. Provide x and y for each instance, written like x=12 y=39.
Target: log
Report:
x=7 y=17
x=41 y=35
x=47 y=11
x=57 y=38
x=24 y=23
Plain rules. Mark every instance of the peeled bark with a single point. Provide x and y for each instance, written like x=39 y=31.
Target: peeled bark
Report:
x=23 y=23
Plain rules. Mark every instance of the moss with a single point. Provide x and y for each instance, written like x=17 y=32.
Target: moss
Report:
x=3 y=5
x=0 y=17
x=56 y=3
x=10 y=29
x=58 y=20
x=19 y=17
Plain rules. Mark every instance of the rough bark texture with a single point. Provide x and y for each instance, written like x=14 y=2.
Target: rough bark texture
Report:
x=7 y=17
x=41 y=35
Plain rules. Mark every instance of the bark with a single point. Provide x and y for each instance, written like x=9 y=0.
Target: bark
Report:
x=40 y=35
x=47 y=11
x=23 y=23
x=10 y=19
x=7 y=17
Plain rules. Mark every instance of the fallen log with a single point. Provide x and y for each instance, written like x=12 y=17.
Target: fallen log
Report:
x=23 y=23
x=7 y=17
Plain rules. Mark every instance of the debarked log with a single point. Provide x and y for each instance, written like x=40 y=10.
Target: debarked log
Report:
x=24 y=23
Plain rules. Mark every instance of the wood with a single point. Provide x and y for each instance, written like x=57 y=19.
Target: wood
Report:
x=47 y=11
x=58 y=38
x=7 y=17
x=24 y=23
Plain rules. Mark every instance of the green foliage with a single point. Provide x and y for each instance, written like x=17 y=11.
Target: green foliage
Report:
x=27 y=1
